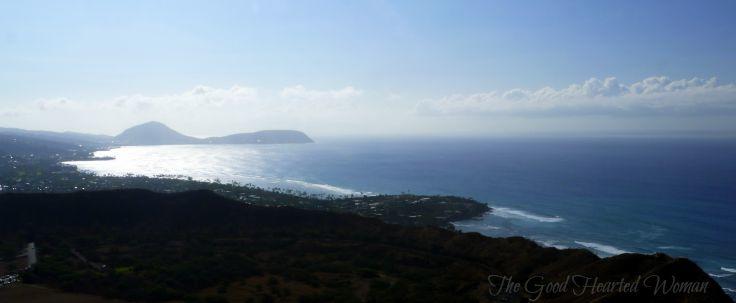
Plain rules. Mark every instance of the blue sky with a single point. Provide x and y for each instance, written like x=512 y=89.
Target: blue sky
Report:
x=413 y=64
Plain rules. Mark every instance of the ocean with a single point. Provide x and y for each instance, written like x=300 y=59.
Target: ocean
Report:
x=609 y=195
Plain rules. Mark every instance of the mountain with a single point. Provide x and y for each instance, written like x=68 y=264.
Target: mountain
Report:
x=262 y=137
x=15 y=144
x=152 y=133
x=80 y=139
x=156 y=133
x=201 y=247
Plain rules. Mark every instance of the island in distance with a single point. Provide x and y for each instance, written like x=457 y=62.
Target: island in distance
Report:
x=156 y=133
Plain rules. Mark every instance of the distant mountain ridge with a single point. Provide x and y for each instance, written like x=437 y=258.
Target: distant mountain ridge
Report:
x=262 y=137
x=13 y=144
x=156 y=133
x=152 y=133
x=58 y=137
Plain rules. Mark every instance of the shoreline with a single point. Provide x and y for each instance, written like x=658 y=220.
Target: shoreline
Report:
x=85 y=181
x=405 y=209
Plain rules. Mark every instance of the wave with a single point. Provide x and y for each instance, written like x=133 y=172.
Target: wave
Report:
x=328 y=188
x=510 y=213
x=551 y=243
x=490 y=227
x=719 y=275
x=726 y=269
x=611 y=250
x=476 y=226
x=729 y=289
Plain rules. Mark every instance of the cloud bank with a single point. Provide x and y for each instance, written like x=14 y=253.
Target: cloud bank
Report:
x=656 y=103
x=202 y=110
x=205 y=98
x=302 y=93
x=651 y=96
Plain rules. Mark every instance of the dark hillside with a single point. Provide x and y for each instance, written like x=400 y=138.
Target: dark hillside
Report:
x=145 y=246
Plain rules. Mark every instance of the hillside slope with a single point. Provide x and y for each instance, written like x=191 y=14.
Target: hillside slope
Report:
x=145 y=246
x=80 y=139
x=152 y=133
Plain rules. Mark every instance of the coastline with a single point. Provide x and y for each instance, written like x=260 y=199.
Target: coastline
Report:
x=185 y=221
x=76 y=180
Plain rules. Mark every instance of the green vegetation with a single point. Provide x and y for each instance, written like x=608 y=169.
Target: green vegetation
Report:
x=201 y=247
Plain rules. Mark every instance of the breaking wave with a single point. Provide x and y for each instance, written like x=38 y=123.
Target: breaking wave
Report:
x=510 y=213
x=607 y=249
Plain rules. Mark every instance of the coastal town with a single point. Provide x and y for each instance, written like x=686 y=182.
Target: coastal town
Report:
x=40 y=170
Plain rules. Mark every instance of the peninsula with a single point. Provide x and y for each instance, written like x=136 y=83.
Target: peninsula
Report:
x=157 y=133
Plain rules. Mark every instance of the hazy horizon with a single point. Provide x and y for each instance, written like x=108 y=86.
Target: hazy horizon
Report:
x=371 y=68
x=675 y=133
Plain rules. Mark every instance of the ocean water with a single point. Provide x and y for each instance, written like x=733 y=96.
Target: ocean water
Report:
x=609 y=195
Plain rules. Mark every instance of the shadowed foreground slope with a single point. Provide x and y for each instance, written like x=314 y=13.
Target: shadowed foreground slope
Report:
x=144 y=246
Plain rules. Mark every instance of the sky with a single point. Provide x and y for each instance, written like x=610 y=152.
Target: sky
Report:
x=333 y=68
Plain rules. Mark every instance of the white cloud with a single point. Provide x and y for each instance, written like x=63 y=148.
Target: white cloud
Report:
x=654 y=95
x=200 y=97
x=206 y=98
x=12 y=113
x=201 y=110
x=299 y=92
x=653 y=103
x=298 y=98
x=55 y=104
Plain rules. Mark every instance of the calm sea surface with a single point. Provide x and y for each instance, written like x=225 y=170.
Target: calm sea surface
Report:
x=611 y=195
